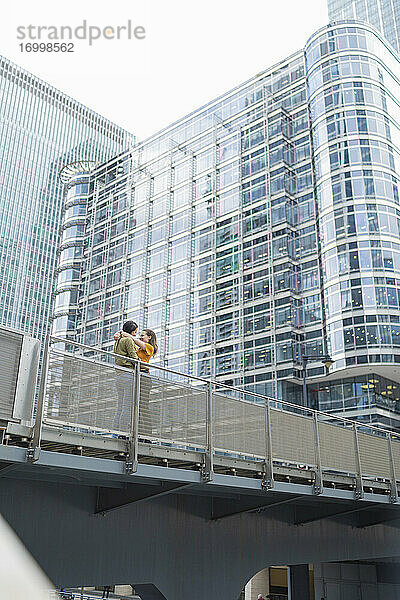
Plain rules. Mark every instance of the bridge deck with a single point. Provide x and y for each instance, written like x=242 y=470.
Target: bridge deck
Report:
x=176 y=430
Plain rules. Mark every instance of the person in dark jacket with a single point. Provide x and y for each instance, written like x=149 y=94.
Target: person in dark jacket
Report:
x=125 y=347
x=147 y=347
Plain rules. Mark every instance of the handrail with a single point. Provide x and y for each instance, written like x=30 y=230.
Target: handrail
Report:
x=272 y=430
x=216 y=383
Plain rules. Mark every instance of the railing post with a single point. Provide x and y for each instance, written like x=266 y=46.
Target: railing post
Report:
x=394 y=494
x=133 y=441
x=33 y=452
x=318 y=482
x=208 y=467
x=267 y=481
x=359 y=491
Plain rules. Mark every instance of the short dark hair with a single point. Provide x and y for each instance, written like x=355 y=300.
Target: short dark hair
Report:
x=129 y=326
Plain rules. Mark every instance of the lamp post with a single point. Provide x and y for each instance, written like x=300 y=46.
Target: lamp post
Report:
x=327 y=360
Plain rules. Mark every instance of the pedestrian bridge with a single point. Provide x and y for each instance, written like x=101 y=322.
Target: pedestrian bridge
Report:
x=155 y=476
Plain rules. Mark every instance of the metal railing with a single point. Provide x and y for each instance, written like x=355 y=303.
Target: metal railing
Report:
x=83 y=390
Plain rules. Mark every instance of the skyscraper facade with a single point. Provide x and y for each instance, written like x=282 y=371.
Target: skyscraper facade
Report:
x=382 y=14
x=40 y=130
x=261 y=228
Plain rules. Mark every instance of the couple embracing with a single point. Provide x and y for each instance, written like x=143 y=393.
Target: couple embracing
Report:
x=126 y=344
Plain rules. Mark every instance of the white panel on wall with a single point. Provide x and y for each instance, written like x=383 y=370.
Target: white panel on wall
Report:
x=318 y=574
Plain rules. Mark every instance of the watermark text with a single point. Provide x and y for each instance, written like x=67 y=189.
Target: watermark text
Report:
x=84 y=31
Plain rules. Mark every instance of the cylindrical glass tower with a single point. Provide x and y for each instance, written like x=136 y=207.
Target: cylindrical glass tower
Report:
x=354 y=92
x=70 y=253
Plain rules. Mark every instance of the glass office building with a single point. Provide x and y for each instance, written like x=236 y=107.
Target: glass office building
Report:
x=382 y=14
x=40 y=130
x=259 y=229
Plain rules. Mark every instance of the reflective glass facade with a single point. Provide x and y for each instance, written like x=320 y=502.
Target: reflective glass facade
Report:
x=353 y=86
x=40 y=130
x=258 y=229
x=382 y=14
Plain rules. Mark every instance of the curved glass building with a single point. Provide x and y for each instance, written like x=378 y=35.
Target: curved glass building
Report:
x=70 y=252
x=261 y=229
x=353 y=90
x=384 y=15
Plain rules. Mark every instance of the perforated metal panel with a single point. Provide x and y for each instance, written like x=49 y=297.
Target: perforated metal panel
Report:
x=85 y=393
x=374 y=455
x=292 y=437
x=88 y=394
x=172 y=411
x=337 y=448
x=10 y=354
x=238 y=426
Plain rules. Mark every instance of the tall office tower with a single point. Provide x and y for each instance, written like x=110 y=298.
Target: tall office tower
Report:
x=382 y=14
x=258 y=230
x=40 y=130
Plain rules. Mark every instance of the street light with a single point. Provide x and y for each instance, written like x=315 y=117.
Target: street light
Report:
x=328 y=362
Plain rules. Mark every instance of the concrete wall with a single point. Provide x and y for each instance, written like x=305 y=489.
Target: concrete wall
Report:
x=355 y=582
x=170 y=541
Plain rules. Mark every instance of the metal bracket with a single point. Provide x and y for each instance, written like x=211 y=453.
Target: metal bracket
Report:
x=206 y=470
x=318 y=482
x=394 y=494
x=131 y=467
x=32 y=454
x=109 y=500
x=267 y=481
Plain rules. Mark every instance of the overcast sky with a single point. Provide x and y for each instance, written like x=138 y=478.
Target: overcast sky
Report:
x=192 y=52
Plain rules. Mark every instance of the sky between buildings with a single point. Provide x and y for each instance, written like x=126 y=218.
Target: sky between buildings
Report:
x=192 y=52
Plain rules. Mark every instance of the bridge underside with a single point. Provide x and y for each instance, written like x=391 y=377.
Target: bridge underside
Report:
x=89 y=523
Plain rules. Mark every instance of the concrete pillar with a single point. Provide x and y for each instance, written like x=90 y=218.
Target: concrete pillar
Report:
x=299 y=582
x=259 y=584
